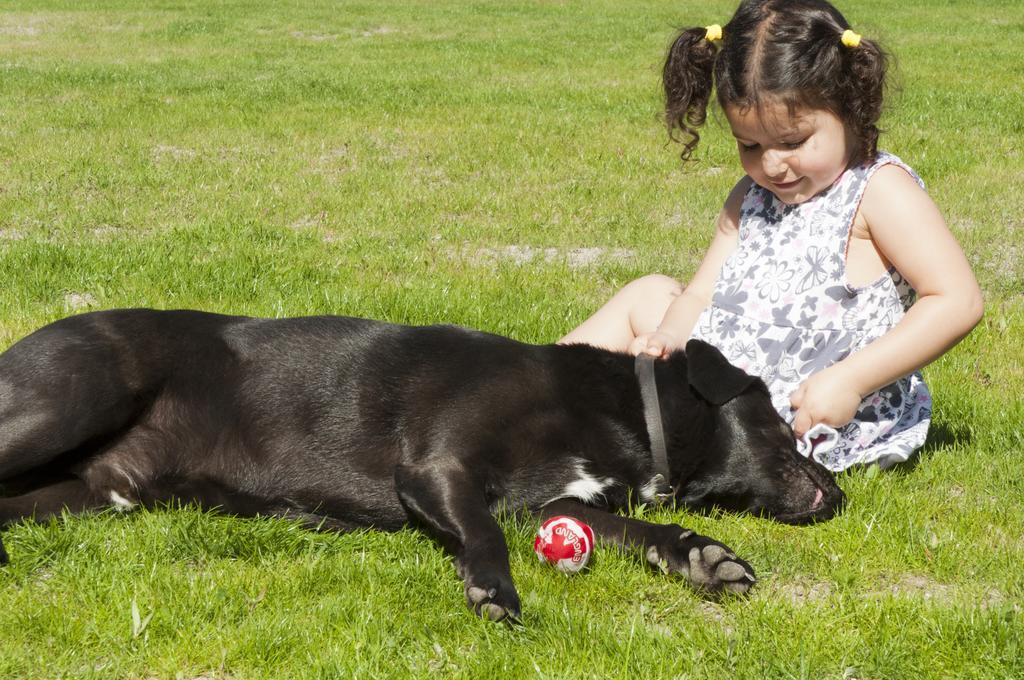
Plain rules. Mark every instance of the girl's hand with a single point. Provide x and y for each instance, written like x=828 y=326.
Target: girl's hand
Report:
x=825 y=397
x=656 y=344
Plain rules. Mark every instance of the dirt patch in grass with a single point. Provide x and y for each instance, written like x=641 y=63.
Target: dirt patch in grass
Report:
x=574 y=258
x=917 y=586
x=802 y=591
x=338 y=159
x=25 y=25
x=162 y=152
x=377 y=30
x=714 y=613
x=313 y=37
x=307 y=222
x=77 y=302
x=106 y=232
x=16 y=30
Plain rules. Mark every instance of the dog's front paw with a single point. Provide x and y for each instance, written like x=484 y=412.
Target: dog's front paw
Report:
x=493 y=600
x=706 y=564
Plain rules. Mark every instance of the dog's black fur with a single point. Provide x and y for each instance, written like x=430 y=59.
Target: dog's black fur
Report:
x=349 y=423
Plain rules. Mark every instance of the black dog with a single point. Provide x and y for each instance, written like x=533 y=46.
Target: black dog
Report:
x=347 y=423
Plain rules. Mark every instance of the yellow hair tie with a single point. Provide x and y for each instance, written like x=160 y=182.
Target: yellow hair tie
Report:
x=714 y=33
x=850 y=39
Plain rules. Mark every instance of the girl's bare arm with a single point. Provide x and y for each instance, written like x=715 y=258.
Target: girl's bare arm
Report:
x=908 y=229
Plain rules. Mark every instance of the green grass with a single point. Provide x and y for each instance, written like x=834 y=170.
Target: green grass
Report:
x=498 y=165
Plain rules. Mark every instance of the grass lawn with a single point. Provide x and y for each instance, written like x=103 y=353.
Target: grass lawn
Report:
x=499 y=165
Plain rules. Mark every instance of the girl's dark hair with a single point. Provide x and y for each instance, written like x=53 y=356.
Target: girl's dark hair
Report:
x=777 y=51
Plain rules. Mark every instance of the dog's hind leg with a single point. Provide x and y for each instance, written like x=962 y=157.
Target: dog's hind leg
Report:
x=449 y=503
x=72 y=495
x=63 y=386
x=63 y=391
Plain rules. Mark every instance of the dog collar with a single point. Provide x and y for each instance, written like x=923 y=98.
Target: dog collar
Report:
x=644 y=369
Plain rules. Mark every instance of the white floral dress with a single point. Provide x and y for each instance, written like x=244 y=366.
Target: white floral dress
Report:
x=782 y=309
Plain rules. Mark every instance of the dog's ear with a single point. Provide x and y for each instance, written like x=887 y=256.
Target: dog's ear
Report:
x=711 y=374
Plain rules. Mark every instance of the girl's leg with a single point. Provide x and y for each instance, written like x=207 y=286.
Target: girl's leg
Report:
x=636 y=309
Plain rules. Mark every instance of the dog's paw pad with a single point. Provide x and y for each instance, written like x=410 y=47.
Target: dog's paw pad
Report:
x=713 y=554
x=730 y=571
x=492 y=612
x=491 y=606
x=477 y=595
x=723 y=571
x=700 y=570
x=738 y=587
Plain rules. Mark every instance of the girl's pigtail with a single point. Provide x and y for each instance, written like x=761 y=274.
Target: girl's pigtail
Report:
x=867 y=66
x=687 y=78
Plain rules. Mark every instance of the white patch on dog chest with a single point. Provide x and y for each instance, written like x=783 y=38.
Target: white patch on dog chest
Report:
x=120 y=502
x=587 y=488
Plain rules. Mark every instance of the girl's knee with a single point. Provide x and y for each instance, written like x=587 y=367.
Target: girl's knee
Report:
x=654 y=285
x=640 y=304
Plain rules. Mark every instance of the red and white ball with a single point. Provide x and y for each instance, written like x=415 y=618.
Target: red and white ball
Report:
x=564 y=542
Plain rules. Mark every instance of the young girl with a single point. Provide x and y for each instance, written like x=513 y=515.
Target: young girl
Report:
x=819 y=251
